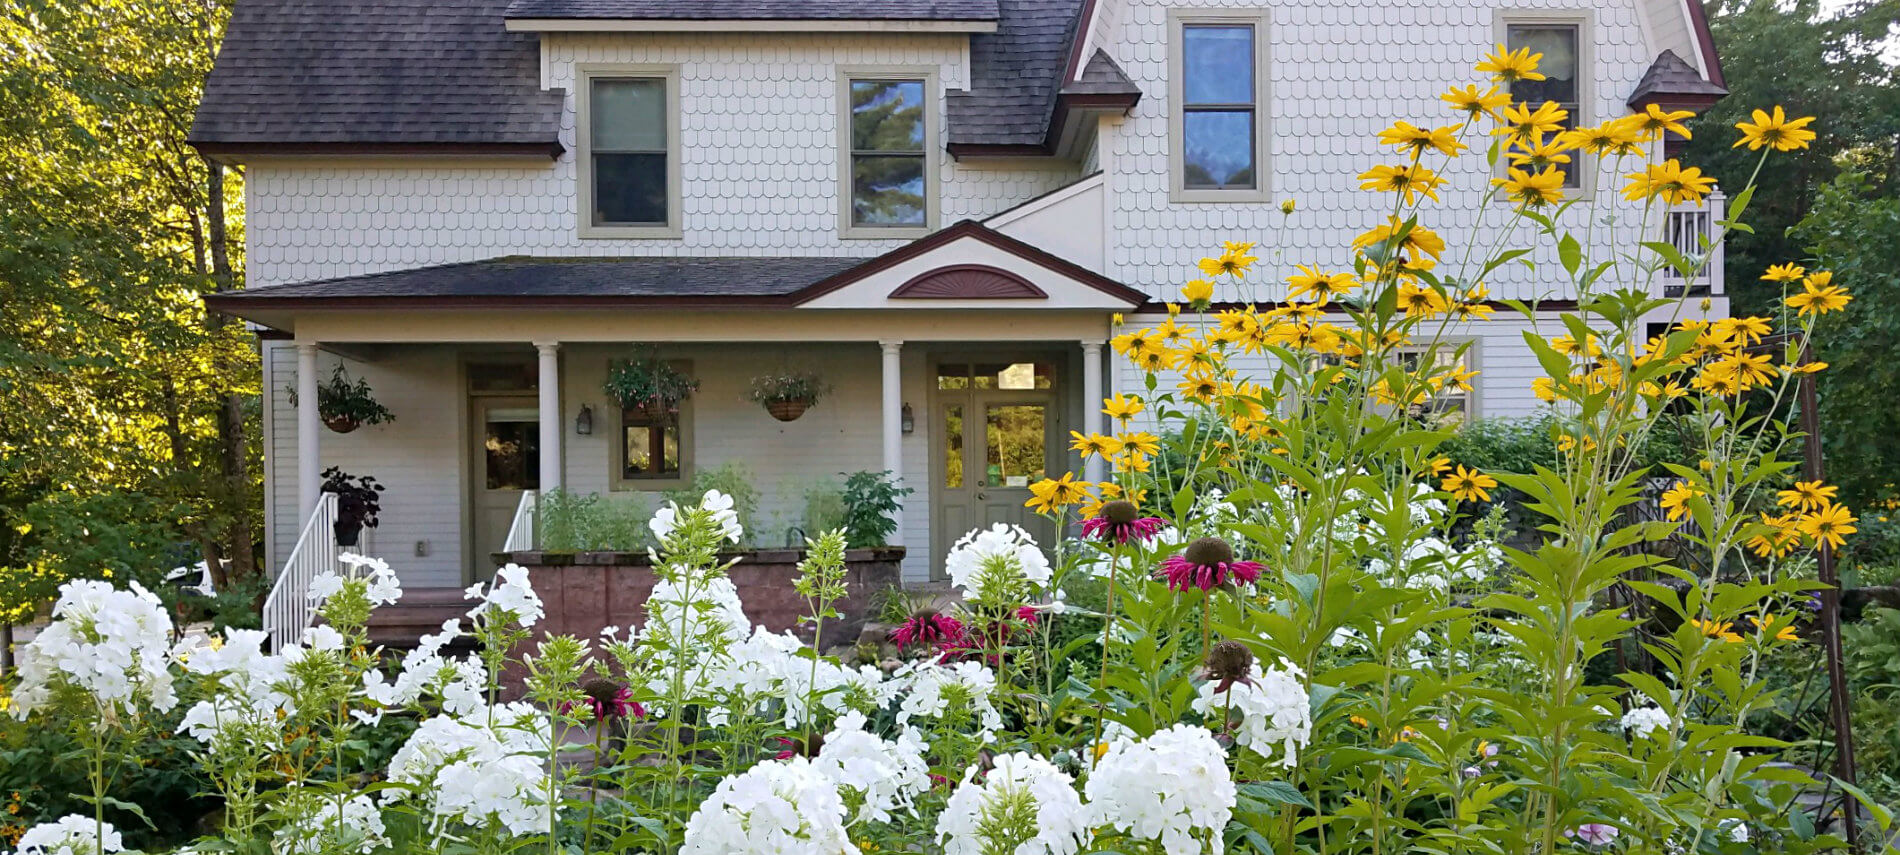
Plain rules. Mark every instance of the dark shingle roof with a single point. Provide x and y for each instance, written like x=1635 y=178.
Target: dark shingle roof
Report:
x=754 y=10
x=402 y=72
x=1672 y=76
x=1102 y=77
x=526 y=277
x=1015 y=74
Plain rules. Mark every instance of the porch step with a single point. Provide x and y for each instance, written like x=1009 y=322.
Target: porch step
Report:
x=421 y=611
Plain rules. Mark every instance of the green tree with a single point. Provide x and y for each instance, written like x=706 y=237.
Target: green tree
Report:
x=121 y=392
x=1775 y=52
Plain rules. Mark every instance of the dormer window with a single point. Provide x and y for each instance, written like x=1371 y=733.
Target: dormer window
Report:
x=1217 y=88
x=629 y=150
x=889 y=176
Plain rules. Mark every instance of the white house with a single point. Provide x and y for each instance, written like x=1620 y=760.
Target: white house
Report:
x=939 y=205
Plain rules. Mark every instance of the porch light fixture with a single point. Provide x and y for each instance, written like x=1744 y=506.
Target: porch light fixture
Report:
x=908 y=421
x=584 y=423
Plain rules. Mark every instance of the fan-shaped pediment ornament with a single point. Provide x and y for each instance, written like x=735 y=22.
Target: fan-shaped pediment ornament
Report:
x=969 y=282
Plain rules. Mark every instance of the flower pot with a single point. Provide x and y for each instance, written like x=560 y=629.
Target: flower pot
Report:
x=348 y=533
x=649 y=411
x=786 y=411
x=341 y=424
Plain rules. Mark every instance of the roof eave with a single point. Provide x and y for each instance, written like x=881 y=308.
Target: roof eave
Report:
x=729 y=25
x=1065 y=128
x=239 y=151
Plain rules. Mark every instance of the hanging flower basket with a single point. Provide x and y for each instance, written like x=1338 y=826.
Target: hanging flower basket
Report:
x=648 y=386
x=787 y=410
x=341 y=424
x=345 y=404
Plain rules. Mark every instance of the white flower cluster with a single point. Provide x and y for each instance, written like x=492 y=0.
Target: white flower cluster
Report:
x=317 y=826
x=666 y=519
x=113 y=645
x=777 y=667
x=1641 y=721
x=72 y=834
x=931 y=690
x=882 y=775
x=1172 y=787
x=255 y=696
x=470 y=771
x=458 y=683
x=1022 y=792
x=1273 y=707
x=779 y=807
x=383 y=589
x=511 y=592
x=975 y=561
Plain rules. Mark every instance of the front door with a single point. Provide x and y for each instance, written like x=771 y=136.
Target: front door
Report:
x=996 y=429
x=505 y=462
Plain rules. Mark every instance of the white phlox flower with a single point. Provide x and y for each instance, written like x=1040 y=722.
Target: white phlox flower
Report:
x=469 y=772
x=1008 y=544
x=1172 y=787
x=511 y=592
x=725 y=518
x=384 y=588
x=883 y=776
x=318 y=827
x=1023 y=793
x=113 y=645
x=72 y=834
x=1642 y=721
x=1273 y=707
x=779 y=807
x=932 y=690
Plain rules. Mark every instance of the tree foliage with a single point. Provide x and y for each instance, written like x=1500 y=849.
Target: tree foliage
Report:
x=111 y=228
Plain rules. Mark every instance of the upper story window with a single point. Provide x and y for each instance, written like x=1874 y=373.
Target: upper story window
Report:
x=888 y=169
x=1217 y=85
x=629 y=151
x=1562 y=45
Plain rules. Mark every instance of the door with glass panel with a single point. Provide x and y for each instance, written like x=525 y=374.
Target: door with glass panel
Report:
x=995 y=432
x=506 y=462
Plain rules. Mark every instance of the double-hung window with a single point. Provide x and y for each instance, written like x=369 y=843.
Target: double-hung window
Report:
x=1218 y=132
x=887 y=170
x=629 y=152
x=1562 y=45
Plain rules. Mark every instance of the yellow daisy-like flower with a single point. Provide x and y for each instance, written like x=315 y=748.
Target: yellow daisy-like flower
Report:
x=1749 y=369
x=1421 y=301
x=1569 y=346
x=1121 y=408
x=1141 y=443
x=1675 y=500
x=1671 y=182
x=1230 y=262
x=1051 y=495
x=1094 y=444
x=1322 y=286
x=1775 y=130
x=1200 y=388
x=1538 y=152
x=1521 y=123
x=1766 y=626
x=1419 y=241
x=1468 y=485
x=1408 y=137
x=1781 y=536
x=1473 y=103
x=1546 y=390
x=1656 y=121
x=1152 y=359
x=1807 y=495
x=1532 y=190
x=1784 y=273
x=1199 y=290
x=1130 y=343
x=1713 y=629
x=1474 y=304
x=1829 y=524
x=1408 y=181
x=1748 y=330
x=1817 y=299
x=1509 y=66
x=1617 y=137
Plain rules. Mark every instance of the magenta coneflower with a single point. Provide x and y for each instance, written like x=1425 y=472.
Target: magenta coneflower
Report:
x=1227 y=663
x=1207 y=564
x=1120 y=522
x=609 y=699
x=928 y=628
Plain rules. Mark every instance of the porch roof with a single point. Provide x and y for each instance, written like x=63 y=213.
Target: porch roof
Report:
x=968 y=265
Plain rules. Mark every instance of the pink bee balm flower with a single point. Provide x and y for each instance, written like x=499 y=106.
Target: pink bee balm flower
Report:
x=609 y=700
x=928 y=628
x=1594 y=833
x=1120 y=522
x=1207 y=564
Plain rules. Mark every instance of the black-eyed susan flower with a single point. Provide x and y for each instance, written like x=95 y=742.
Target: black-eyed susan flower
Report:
x=1469 y=101
x=1523 y=123
x=1675 y=500
x=1320 y=285
x=1817 y=297
x=1614 y=138
x=1407 y=137
x=1537 y=152
x=1807 y=495
x=1747 y=330
x=1198 y=291
x=1671 y=182
x=1657 y=121
x=1784 y=273
x=1775 y=628
x=1094 y=444
x=1468 y=485
x=1474 y=304
x=1421 y=301
x=1053 y=494
x=1716 y=629
x=1232 y=261
x=1775 y=130
x=1829 y=524
x=1532 y=189
x=1121 y=408
x=1509 y=66
x=1409 y=182
x=1141 y=442
x=1778 y=535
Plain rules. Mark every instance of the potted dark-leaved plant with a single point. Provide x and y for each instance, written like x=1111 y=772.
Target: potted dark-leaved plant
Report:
x=358 y=502
x=345 y=405
x=788 y=395
x=648 y=384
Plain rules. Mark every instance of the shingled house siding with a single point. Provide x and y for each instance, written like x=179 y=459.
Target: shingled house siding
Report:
x=760 y=168
x=1335 y=82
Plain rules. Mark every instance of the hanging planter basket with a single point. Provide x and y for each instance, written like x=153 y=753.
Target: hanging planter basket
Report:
x=788 y=411
x=341 y=424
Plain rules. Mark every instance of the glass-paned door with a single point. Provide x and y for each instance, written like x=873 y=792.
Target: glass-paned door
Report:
x=996 y=426
x=505 y=462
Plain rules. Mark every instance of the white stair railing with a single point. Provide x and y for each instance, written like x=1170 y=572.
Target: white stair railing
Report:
x=288 y=611
x=1692 y=230
x=521 y=531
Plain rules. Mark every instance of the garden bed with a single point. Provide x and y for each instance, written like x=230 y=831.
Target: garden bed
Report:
x=585 y=592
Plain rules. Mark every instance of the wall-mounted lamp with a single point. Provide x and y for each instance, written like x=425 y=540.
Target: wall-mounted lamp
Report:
x=908 y=420
x=584 y=423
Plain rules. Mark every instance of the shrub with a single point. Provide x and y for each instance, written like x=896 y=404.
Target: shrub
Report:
x=732 y=479
x=871 y=502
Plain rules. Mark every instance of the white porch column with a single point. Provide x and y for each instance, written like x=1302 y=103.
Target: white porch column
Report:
x=1096 y=469
x=550 y=418
x=309 y=466
x=893 y=408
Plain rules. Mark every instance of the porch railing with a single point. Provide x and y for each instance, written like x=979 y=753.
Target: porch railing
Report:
x=521 y=531
x=288 y=611
x=1692 y=230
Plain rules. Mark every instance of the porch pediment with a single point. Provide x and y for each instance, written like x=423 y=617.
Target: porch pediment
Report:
x=970 y=266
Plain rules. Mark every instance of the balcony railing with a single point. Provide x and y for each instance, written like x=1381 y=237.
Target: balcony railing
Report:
x=1692 y=230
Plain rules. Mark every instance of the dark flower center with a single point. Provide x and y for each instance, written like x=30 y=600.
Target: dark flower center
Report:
x=1229 y=661
x=602 y=692
x=1120 y=512
x=1209 y=552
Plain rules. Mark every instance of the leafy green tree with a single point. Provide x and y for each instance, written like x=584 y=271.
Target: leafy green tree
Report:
x=1791 y=54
